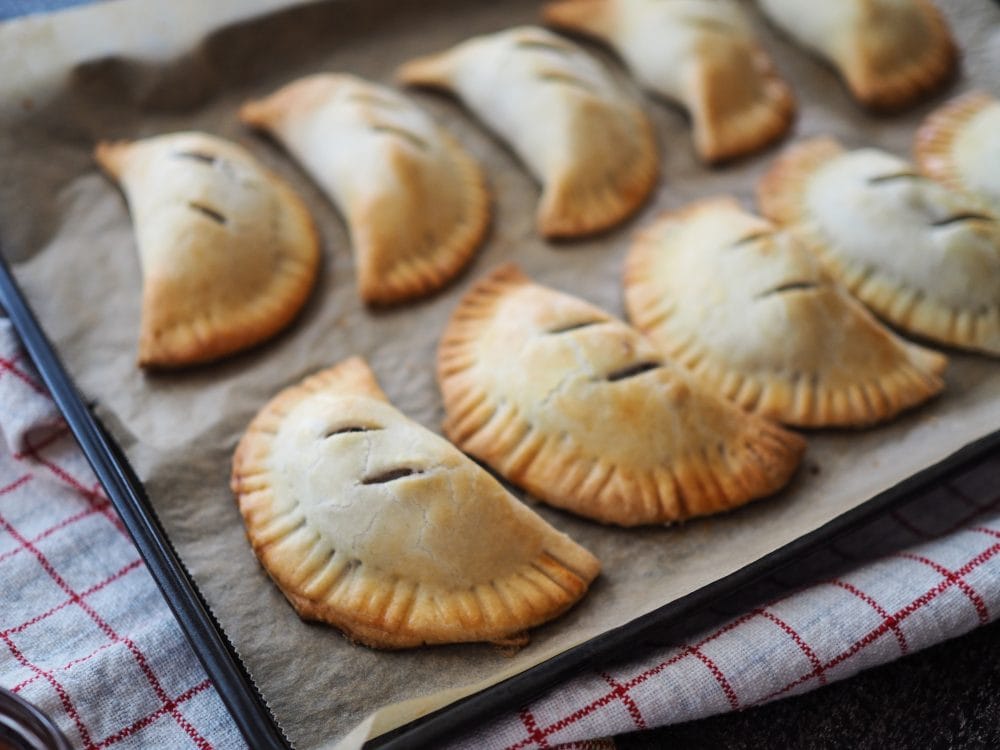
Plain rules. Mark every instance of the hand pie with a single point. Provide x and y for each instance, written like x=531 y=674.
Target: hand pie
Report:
x=891 y=53
x=589 y=144
x=581 y=411
x=700 y=54
x=228 y=250
x=923 y=257
x=415 y=201
x=752 y=315
x=959 y=144
x=369 y=522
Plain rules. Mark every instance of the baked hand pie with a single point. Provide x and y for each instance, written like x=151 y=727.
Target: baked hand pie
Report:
x=588 y=143
x=700 y=54
x=754 y=317
x=228 y=251
x=415 y=202
x=923 y=257
x=959 y=144
x=369 y=522
x=891 y=53
x=582 y=412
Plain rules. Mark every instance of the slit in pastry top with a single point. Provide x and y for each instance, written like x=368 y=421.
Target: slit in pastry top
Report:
x=415 y=201
x=752 y=315
x=702 y=55
x=571 y=124
x=228 y=250
x=581 y=411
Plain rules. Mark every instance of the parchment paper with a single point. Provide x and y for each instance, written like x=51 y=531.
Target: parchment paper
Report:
x=69 y=230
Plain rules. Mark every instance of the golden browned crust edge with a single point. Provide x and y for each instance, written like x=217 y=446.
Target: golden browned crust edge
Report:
x=780 y=190
x=935 y=137
x=550 y=469
x=795 y=400
x=556 y=583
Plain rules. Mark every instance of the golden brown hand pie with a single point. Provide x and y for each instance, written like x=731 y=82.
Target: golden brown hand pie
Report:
x=959 y=144
x=588 y=143
x=750 y=312
x=415 y=201
x=582 y=411
x=891 y=53
x=228 y=250
x=700 y=54
x=923 y=257
x=369 y=522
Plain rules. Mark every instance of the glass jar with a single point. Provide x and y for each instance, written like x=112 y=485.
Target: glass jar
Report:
x=24 y=727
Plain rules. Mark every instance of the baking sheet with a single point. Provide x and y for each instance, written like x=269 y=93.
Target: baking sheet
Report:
x=71 y=235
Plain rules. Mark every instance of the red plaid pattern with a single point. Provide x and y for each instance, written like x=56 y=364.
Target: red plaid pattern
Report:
x=87 y=637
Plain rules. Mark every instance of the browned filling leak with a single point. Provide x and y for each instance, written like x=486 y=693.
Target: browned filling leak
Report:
x=211 y=213
x=574 y=326
x=352 y=428
x=960 y=217
x=406 y=135
x=196 y=156
x=390 y=476
x=632 y=371
x=791 y=286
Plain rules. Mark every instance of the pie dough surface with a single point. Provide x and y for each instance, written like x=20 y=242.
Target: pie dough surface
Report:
x=589 y=144
x=228 y=251
x=581 y=411
x=923 y=257
x=959 y=144
x=890 y=53
x=415 y=201
x=369 y=522
x=753 y=316
x=700 y=54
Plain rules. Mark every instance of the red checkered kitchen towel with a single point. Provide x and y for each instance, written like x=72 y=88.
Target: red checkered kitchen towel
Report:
x=86 y=636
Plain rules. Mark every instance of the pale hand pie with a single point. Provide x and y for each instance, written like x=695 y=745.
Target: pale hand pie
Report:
x=700 y=54
x=588 y=143
x=228 y=251
x=369 y=522
x=582 y=412
x=959 y=144
x=415 y=202
x=923 y=257
x=891 y=53
x=753 y=316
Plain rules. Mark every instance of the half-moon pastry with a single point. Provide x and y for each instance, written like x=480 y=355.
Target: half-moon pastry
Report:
x=369 y=522
x=582 y=412
x=959 y=144
x=753 y=316
x=228 y=250
x=923 y=257
x=891 y=53
x=415 y=202
x=588 y=143
x=700 y=54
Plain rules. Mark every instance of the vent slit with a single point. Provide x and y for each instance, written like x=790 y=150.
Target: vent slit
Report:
x=566 y=80
x=749 y=238
x=891 y=177
x=211 y=213
x=960 y=217
x=544 y=46
x=352 y=428
x=632 y=371
x=792 y=286
x=391 y=475
x=406 y=135
x=196 y=156
x=574 y=326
